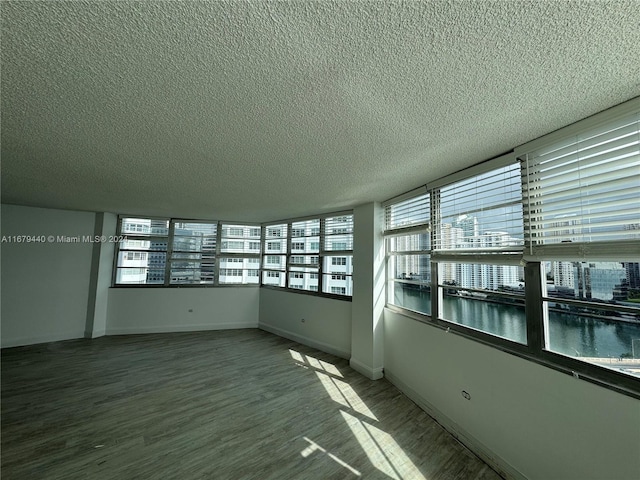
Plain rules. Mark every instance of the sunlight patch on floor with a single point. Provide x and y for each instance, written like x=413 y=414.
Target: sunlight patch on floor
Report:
x=296 y=356
x=308 y=360
x=330 y=368
x=342 y=393
x=353 y=398
x=383 y=451
x=332 y=390
x=314 y=447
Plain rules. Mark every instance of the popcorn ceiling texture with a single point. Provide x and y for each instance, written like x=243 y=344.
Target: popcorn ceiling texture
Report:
x=259 y=111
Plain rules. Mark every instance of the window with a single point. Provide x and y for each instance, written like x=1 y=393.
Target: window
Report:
x=142 y=258
x=229 y=245
x=237 y=252
x=469 y=232
x=408 y=246
x=581 y=203
x=275 y=260
x=297 y=246
x=338 y=233
x=230 y=272
x=181 y=252
x=235 y=232
x=536 y=252
x=136 y=256
x=479 y=228
x=311 y=267
x=274 y=246
x=193 y=253
x=275 y=279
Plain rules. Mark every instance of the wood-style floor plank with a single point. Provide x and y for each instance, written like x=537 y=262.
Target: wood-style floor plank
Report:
x=234 y=404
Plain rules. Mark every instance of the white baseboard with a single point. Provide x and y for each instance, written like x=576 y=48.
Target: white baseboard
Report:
x=325 y=347
x=53 y=337
x=367 y=371
x=95 y=333
x=494 y=461
x=179 y=328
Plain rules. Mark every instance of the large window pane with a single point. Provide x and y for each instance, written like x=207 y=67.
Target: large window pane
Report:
x=410 y=285
x=193 y=252
x=303 y=278
x=483 y=213
x=275 y=279
x=239 y=270
x=305 y=254
x=484 y=297
x=142 y=257
x=337 y=284
x=139 y=276
x=411 y=296
x=593 y=312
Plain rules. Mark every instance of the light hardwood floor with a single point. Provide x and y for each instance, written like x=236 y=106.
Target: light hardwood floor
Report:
x=234 y=404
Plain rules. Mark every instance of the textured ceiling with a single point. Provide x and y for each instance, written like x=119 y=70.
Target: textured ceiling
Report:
x=259 y=111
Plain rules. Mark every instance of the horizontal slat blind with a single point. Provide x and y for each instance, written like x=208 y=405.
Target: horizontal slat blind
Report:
x=338 y=233
x=584 y=190
x=480 y=214
x=407 y=213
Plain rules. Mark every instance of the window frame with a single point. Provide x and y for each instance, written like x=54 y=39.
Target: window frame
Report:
x=314 y=238
x=535 y=294
x=170 y=237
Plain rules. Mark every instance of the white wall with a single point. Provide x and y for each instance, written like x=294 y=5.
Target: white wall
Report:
x=326 y=326
x=154 y=310
x=539 y=423
x=45 y=286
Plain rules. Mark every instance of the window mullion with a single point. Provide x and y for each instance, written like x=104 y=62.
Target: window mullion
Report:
x=167 y=265
x=533 y=287
x=436 y=293
x=287 y=267
x=321 y=256
x=216 y=276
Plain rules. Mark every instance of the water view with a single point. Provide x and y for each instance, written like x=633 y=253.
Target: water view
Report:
x=569 y=334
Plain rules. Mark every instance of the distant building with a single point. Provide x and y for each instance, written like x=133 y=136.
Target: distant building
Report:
x=597 y=281
x=563 y=274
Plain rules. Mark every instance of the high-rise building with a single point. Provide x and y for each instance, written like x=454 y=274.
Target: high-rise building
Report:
x=597 y=281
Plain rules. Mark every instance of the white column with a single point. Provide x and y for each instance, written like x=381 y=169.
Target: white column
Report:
x=368 y=292
x=101 y=274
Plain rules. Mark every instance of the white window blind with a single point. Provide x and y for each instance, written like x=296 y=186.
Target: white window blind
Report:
x=581 y=194
x=407 y=215
x=480 y=214
x=338 y=233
